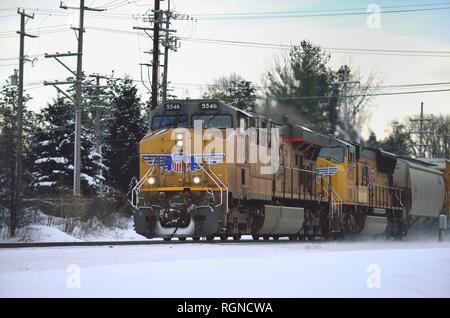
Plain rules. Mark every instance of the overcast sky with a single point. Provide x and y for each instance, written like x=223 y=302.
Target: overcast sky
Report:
x=196 y=63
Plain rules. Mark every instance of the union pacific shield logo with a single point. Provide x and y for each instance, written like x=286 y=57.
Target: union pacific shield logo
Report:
x=179 y=162
x=326 y=171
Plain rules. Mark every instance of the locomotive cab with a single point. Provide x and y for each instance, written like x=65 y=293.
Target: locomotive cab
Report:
x=184 y=173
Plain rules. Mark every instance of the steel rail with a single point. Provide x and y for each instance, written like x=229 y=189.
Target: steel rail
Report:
x=143 y=242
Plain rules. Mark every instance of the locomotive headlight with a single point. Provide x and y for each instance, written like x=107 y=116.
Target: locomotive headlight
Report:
x=180 y=143
x=151 y=180
x=196 y=180
x=180 y=137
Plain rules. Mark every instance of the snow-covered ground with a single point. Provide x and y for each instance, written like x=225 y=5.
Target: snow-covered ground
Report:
x=51 y=229
x=333 y=269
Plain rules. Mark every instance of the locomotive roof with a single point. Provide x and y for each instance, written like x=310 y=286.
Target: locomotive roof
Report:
x=419 y=161
x=190 y=106
x=294 y=133
x=304 y=134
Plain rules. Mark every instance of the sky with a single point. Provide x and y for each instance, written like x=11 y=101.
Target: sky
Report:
x=197 y=63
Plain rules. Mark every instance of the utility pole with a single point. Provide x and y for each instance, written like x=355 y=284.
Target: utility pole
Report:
x=17 y=202
x=168 y=42
x=166 y=54
x=98 y=126
x=421 y=131
x=78 y=91
x=421 y=146
x=346 y=82
x=98 y=137
x=155 y=52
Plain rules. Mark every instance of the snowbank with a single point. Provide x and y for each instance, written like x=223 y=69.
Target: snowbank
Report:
x=42 y=233
x=51 y=229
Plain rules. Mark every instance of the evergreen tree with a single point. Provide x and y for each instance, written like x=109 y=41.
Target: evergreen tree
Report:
x=398 y=141
x=297 y=81
x=126 y=128
x=372 y=141
x=53 y=150
x=305 y=87
x=8 y=137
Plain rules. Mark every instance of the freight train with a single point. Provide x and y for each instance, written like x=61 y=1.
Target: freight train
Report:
x=208 y=169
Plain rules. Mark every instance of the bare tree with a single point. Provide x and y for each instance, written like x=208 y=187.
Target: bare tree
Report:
x=222 y=87
x=358 y=98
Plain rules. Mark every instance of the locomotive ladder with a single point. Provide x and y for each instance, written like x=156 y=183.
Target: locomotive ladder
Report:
x=219 y=183
x=137 y=188
x=335 y=202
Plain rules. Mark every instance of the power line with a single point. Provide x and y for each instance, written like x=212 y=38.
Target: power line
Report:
x=315 y=11
x=331 y=49
x=244 y=15
x=296 y=15
x=380 y=87
x=423 y=53
x=326 y=97
x=37 y=29
x=356 y=95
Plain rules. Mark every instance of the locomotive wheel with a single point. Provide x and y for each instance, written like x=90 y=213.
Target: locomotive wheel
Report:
x=210 y=237
x=255 y=237
x=275 y=238
x=292 y=238
x=236 y=237
x=265 y=237
x=223 y=237
x=182 y=238
x=167 y=238
x=196 y=238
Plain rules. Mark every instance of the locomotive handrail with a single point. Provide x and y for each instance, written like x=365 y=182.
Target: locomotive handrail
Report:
x=223 y=184
x=385 y=192
x=385 y=186
x=221 y=192
x=298 y=169
x=335 y=200
x=217 y=184
x=137 y=188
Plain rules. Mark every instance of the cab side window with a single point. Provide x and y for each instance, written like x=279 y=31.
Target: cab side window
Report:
x=351 y=155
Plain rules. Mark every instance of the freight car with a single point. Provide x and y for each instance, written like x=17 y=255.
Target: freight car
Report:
x=208 y=169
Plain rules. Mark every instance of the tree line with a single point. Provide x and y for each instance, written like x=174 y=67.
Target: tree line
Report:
x=48 y=151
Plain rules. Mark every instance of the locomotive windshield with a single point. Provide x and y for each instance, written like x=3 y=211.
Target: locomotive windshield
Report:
x=169 y=121
x=217 y=121
x=334 y=153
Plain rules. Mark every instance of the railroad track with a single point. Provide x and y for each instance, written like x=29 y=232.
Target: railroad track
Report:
x=143 y=242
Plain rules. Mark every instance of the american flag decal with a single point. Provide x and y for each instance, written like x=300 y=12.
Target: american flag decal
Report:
x=371 y=175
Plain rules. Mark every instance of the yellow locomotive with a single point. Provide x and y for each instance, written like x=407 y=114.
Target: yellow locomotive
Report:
x=208 y=169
